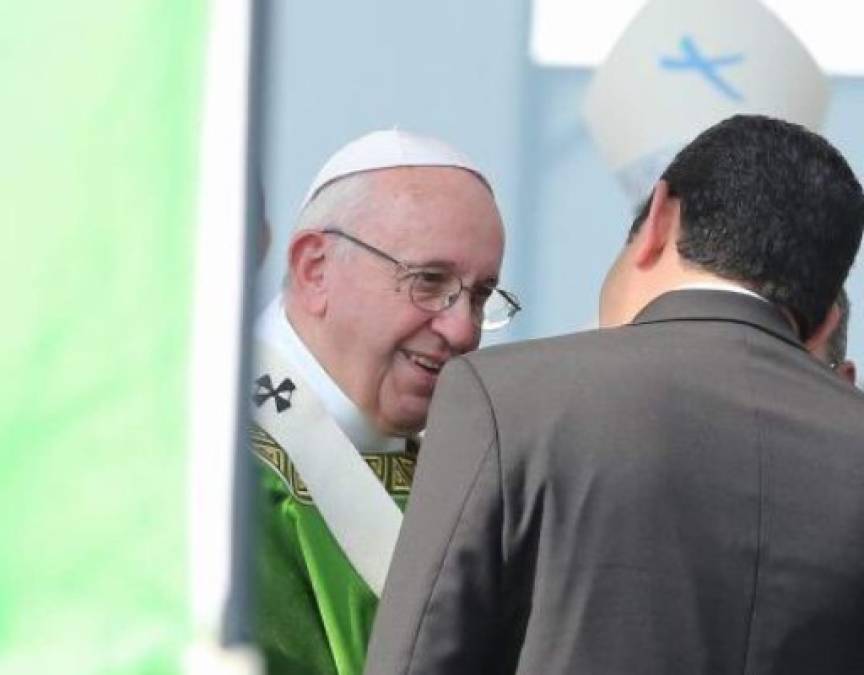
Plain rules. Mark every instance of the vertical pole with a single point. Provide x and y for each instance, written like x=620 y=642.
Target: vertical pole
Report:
x=220 y=476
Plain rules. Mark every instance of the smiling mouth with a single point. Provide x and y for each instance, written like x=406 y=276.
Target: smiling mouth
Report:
x=430 y=365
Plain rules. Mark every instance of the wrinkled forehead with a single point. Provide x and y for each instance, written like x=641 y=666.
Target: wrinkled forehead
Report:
x=431 y=195
x=427 y=181
x=423 y=216
x=442 y=216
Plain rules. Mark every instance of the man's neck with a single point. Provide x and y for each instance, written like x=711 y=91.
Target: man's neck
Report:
x=681 y=275
x=712 y=282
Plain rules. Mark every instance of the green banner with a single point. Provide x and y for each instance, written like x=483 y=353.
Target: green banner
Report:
x=99 y=128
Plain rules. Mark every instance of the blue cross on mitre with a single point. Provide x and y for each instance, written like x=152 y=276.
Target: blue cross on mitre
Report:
x=708 y=67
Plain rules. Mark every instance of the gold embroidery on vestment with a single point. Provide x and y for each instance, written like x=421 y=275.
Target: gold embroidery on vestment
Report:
x=394 y=471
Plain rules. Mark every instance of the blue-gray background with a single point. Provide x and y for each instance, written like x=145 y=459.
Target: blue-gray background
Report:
x=462 y=71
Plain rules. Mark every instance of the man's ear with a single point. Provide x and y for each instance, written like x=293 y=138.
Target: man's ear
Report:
x=307 y=262
x=847 y=370
x=817 y=343
x=659 y=228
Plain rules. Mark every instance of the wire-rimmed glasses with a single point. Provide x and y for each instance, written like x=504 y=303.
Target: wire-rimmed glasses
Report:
x=435 y=288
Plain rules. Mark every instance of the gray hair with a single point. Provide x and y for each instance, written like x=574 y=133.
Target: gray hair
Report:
x=336 y=204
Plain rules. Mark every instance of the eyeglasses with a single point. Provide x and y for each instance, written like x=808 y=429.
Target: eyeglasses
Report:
x=435 y=289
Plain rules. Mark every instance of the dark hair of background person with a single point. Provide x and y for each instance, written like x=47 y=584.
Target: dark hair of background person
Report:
x=769 y=204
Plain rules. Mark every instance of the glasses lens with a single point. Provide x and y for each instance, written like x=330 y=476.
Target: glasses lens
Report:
x=434 y=290
x=498 y=311
x=437 y=290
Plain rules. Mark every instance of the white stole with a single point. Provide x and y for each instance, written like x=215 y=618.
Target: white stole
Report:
x=357 y=508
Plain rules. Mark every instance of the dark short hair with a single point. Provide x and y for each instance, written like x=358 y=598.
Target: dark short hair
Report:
x=771 y=205
x=836 y=348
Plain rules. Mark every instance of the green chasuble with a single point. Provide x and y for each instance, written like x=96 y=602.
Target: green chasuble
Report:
x=315 y=612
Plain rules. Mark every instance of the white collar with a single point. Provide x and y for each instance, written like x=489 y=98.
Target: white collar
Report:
x=274 y=328
x=718 y=286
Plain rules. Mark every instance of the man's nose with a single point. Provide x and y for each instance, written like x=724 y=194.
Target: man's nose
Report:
x=458 y=325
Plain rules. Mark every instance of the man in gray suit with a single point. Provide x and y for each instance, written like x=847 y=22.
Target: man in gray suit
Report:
x=680 y=492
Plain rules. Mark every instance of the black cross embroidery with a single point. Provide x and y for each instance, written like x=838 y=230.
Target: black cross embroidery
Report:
x=265 y=390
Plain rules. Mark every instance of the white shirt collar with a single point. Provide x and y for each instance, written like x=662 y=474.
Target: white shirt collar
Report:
x=273 y=327
x=718 y=286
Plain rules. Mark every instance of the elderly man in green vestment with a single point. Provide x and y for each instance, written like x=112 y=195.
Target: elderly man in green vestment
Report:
x=392 y=269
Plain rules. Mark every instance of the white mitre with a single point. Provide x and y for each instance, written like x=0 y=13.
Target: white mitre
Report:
x=386 y=150
x=682 y=66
